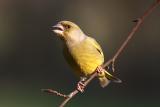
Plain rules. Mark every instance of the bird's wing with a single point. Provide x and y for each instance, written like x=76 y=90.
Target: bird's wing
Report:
x=96 y=45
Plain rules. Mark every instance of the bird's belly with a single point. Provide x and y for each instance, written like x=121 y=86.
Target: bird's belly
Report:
x=88 y=65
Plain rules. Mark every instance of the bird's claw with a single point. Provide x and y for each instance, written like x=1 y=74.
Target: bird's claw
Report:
x=80 y=86
x=99 y=70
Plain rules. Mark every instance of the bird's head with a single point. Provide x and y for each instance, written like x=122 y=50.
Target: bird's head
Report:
x=68 y=30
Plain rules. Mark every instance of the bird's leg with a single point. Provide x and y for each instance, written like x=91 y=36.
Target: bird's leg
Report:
x=100 y=70
x=80 y=84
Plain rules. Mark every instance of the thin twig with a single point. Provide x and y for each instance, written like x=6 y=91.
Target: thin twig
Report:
x=51 y=91
x=139 y=22
x=73 y=93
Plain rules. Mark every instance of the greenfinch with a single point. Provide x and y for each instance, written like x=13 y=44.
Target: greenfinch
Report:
x=82 y=52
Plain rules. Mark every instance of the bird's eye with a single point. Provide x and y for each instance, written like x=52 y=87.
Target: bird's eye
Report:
x=67 y=26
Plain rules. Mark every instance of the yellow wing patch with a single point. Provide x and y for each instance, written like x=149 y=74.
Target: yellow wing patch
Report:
x=96 y=45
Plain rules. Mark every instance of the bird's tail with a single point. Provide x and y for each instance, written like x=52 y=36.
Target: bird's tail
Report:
x=105 y=78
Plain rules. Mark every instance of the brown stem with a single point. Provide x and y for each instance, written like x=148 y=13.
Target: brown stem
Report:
x=51 y=91
x=70 y=96
x=73 y=93
x=139 y=22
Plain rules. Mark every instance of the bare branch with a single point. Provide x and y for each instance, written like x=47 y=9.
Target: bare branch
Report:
x=139 y=22
x=70 y=96
x=51 y=91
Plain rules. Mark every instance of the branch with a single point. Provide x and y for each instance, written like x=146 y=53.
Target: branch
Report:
x=139 y=22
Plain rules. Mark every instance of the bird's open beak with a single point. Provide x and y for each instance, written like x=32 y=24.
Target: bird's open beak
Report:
x=58 y=29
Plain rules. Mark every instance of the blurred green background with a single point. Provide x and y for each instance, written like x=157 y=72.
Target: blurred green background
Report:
x=31 y=57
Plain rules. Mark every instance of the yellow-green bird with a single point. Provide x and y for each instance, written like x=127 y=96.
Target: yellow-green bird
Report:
x=82 y=52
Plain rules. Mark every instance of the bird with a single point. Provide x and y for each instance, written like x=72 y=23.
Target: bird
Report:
x=83 y=53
